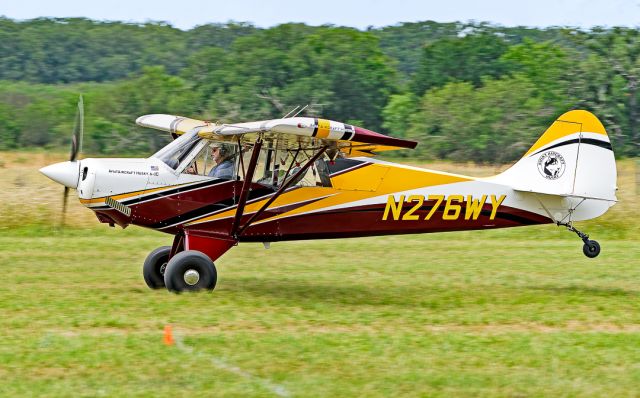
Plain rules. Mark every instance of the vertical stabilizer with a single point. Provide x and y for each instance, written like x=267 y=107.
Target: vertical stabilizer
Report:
x=572 y=158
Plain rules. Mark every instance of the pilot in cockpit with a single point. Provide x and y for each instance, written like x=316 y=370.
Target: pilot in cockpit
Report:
x=223 y=157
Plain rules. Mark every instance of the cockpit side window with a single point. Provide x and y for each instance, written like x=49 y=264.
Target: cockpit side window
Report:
x=215 y=159
x=273 y=164
x=173 y=154
x=316 y=176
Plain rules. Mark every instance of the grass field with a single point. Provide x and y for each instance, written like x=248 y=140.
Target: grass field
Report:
x=517 y=313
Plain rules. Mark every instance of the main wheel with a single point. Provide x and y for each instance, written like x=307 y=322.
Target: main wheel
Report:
x=591 y=248
x=154 y=266
x=190 y=270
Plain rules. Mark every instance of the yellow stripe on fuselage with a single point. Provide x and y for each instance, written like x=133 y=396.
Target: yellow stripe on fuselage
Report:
x=396 y=179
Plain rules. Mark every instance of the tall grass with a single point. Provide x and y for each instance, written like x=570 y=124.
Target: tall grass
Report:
x=30 y=200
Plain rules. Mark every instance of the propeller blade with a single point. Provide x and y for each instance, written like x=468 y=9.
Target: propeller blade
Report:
x=64 y=205
x=76 y=147
x=78 y=131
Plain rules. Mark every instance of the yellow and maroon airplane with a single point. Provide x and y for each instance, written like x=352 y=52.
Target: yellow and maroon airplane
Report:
x=308 y=178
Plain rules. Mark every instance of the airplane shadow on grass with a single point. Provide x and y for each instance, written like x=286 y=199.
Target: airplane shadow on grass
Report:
x=574 y=290
x=303 y=291
x=431 y=297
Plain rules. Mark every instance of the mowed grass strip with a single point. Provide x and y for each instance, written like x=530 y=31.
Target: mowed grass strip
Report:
x=331 y=364
x=516 y=312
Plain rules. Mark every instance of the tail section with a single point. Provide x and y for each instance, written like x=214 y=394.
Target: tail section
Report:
x=572 y=159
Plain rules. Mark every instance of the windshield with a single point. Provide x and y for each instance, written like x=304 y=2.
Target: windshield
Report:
x=176 y=151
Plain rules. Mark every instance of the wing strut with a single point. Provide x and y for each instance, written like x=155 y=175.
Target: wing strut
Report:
x=244 y=194
x=282 y=188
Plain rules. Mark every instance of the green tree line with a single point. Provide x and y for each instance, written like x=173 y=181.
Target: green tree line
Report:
x=465 y=91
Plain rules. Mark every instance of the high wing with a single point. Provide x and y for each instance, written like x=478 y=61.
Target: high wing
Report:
x=291 y=132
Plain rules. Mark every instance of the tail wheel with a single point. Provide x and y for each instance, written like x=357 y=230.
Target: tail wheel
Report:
x=190 y=270
x=591 y=248
x=154 y=267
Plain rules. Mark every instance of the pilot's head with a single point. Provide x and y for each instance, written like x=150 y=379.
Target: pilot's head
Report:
x=220 y=152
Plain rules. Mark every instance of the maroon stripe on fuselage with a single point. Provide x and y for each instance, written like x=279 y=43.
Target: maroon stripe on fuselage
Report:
x=222 y=223
x=367 y=221
x=162 y=213
x=180 y=208
x=161 y=210
x=154 y=211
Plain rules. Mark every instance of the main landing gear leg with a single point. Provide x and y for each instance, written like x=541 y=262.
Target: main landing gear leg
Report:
x=591 y=248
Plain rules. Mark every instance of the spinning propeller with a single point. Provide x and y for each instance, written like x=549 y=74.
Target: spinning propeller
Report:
x=76 y=147
x=78 y=131
x=68 y=173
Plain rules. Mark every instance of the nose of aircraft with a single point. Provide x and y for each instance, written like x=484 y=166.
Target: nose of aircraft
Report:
x=65 y=173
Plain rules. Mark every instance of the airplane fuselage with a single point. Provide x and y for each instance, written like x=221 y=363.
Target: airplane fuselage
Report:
x=366 y=198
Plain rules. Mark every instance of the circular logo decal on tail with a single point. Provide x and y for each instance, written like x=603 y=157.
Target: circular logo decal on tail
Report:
x=551 y=165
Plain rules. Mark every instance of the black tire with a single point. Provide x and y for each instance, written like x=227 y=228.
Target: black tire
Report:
x=154 y=267
x=591 y=248
x=190 y=270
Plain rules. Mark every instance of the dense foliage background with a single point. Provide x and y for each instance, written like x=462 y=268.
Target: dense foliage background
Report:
x=465 y=91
